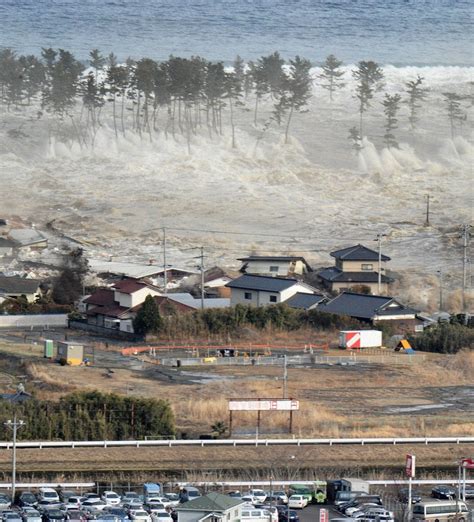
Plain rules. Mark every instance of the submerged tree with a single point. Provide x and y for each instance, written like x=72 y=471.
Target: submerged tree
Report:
x=296 y=90
x=454 y=111
x=355 y=139
x=332 y=75
x=416 y=94
x=369 y=77
x=391 y=104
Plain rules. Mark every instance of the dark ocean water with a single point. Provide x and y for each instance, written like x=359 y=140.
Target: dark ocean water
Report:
x=410 y=32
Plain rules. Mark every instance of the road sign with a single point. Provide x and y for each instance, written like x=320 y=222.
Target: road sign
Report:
x=410 y=466
x=323 y=515
x=264 y=405
x=467 y=463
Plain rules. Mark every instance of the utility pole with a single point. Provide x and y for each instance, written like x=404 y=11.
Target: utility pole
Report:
x=465 y=260
x=202 y=277
x=285 y=376
x=14 y=425
x=379 y=275
x=440 y=277
x=165 y=276
x=427 y=220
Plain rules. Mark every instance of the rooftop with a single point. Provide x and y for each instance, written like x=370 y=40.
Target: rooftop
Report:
x=192 y=302
x=262 y=283
x=133 y=270
x=26 y=236
x=304 y=301
x=364 y=306
x=8 y=243
x=101 y=297
x=336 y=275
x=129 y=286
x=211 y=502
x=358 y=253
x=18 y=285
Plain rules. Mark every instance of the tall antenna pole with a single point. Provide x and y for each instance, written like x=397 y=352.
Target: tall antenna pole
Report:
x=379 y=274
x=202 y=277
x=14 y=425
x=165 y=275
x=465 y=260
x=440 y=275
x=427 y=221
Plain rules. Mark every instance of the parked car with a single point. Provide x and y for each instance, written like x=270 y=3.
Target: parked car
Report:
x=235 y=494
x=283 y=516
x=94 y=503
x=249 y=499
x=444 y=492
x=29 y=514
x=110 y=498
x=119 y=512
x=75 y=515
x=5 y=502
x=64 y=495
x=173 y=499
x=403 y=496
x=73 y=503
x=271 y=512
x=132 y=504
x=12 y=516
x=161 y=516
x=49 y=494
x=130 y=495
x=469 y=491
x=154 y=507
x=297 y=501
x=54 y=515
x=46 y=505
x=281 y=495
x=258 y=494
x=107 y=517
x=26 y=498
x=140 y=515
x=351 y=511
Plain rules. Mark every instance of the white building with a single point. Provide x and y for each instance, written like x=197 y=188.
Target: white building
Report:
x=212 y=507
x=283 y=266
x=265 y=290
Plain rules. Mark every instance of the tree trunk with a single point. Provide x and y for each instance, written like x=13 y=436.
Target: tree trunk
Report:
x=256 y=109
x=288 y=124
x=232 y=122
x=114 y=116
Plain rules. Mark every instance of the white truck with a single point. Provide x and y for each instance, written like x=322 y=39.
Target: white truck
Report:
x=355 y=339
x=355 y=484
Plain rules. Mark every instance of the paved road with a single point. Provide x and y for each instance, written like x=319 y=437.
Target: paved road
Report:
x=311 y=513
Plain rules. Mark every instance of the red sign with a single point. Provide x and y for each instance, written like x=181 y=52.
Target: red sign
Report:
x=323 y=515
x=467 y=463
x=410 y=466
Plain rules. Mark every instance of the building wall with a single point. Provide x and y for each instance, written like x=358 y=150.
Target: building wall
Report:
x=260 y=298
x=400 y=326
x=374 y=287
x=131 y=300
x=356 y=266
x=263 y=268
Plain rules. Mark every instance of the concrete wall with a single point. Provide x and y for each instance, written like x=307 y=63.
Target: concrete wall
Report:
x=33 y=321
x=131 y=300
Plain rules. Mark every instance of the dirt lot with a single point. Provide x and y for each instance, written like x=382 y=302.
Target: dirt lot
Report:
x=433 y=396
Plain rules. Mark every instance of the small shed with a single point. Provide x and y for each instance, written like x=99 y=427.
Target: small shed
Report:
x=72 y=353
x=404 y=346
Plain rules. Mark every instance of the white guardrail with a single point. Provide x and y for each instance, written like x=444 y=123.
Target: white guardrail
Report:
x=234 y=442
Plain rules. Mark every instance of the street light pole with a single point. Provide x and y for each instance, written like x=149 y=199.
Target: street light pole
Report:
x=14 y=425
x=440 y=276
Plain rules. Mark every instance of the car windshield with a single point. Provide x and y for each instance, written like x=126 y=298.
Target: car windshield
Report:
x=112 y=495
x=50 y=494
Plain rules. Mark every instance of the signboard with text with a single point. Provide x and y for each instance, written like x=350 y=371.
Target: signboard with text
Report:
x=264 y=405
x=467 y=463
x=323 y=515
x=410 y=466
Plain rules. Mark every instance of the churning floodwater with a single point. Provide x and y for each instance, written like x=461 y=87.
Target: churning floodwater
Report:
x=397 y=32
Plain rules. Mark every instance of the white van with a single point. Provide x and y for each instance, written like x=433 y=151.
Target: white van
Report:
x=252 y=514
x=48 y=494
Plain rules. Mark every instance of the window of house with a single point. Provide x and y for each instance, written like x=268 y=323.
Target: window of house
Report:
x=248 y=295
x=273 y=299
x=367 y=266
x=274 y=268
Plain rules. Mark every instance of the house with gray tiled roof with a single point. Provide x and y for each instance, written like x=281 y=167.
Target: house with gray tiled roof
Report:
x=356 y=267
x=213 y=507
x=15 y=287
x=373 y=309
x=258 y=290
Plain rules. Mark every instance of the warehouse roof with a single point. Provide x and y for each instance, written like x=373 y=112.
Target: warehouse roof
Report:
x=211 y=502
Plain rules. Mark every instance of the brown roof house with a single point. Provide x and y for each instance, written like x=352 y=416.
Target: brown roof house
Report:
x=356 y=267
x=116 y=307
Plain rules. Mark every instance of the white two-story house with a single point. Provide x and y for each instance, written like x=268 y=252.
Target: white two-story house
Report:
x=257 y=290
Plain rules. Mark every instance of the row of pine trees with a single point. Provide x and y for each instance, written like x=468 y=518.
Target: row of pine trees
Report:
x=90 y=416
x=183 y=95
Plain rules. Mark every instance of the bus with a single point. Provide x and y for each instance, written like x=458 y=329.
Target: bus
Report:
x=252 y=514
x=441 y=511
x=315 y=492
